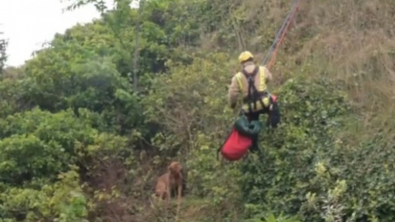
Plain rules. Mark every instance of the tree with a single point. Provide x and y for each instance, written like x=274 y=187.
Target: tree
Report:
x=3 y=55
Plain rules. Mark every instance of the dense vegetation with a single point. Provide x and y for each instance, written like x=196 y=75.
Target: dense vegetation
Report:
x=81 y=139
x=3 y=46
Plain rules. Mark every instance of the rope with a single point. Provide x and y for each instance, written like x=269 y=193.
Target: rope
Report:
x=279 y=38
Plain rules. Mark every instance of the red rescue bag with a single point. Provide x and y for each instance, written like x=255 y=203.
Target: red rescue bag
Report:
x=235 y=146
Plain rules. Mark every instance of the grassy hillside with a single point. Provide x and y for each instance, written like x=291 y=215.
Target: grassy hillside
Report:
x=80 y=142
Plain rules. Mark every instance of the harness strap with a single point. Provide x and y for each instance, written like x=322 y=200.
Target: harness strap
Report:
x=253 y=94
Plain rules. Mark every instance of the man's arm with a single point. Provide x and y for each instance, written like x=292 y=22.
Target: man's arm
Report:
x=234 y=92
x=268 y=75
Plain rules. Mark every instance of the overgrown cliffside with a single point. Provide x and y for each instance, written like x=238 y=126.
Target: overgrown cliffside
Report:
x=79 y=142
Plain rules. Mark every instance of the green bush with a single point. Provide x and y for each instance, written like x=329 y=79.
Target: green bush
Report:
x=62 y=201
x=305 y=168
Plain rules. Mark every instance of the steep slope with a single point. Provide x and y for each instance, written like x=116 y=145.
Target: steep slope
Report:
x=337 y=132
x=79 y=142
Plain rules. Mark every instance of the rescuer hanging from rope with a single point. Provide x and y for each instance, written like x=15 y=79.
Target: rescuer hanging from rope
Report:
x=251 y=82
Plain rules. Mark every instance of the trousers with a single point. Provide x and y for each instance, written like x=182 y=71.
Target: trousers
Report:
x=251 y=117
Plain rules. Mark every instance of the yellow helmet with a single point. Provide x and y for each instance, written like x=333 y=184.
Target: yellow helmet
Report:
x=244 y=56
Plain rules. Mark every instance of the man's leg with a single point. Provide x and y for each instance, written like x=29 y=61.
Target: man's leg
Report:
x=251 y=117
x=275 y=117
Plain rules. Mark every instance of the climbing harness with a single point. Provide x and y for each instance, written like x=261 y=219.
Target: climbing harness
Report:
x=253 y=94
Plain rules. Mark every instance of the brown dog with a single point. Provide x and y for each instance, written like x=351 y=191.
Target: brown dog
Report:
x=171 y=180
